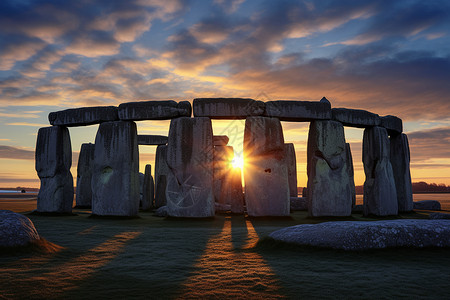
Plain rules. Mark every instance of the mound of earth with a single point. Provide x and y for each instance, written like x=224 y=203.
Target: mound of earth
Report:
x=16 y=230
x=354 y=235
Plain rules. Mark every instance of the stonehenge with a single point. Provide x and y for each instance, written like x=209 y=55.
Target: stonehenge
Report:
x=193 y=169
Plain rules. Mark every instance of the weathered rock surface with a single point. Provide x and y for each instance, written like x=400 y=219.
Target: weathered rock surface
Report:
x=84 y=175
x=190 y=155
x=380 y=195
x=162 y=212
x=83 y=116
x=400 y=158
x=161 y=174
x=16 y=230
x=220 y=140
x=350 y=171
x=299 y=203
x=427 y=205
x=154 y=110
x=291 y=163
x=141 y=186
x=435 y=216
x=354 y=235
x=355 y=117
x=234 y=182
x=300 y=111
x=329 y=187
x=148 y=189
x=266 y=177
x=222 y=167
x=53 y=161
x=227 y=108
x=115 y=176
x=393 y=124
x=152 y=140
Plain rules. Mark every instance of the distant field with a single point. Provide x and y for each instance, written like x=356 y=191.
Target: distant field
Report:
x=160 y=258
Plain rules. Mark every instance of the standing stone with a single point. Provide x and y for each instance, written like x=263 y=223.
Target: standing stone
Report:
x=266 y=174
x=161 y=174
x=329 y=189
x=148 y=189
x=222 y=167
x=190 y=155
x=351 y=172
x=115 y=176
x=380 y=196
x=152 y=139
x=400 y=159
x=53 y=161
x=84 y=176
x=291 y=163
x=234 y=184
x=141 y=186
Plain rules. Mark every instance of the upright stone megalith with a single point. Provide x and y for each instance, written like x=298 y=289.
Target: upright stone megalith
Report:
x=351 y=172
x=222 y=168
x=161 y=174
x=190 y=155
x=400 y=158
x=265 y=174
x=84 y=176
x=380 y=195
x=53 y=161
x=329 y=188
x=291 y=163
x=148 y=189
x=234 y=190
x=115 y=176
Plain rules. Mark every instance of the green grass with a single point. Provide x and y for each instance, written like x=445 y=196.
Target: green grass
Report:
x=166 y=258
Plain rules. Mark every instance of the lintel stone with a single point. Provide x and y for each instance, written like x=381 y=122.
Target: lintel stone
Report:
x=299 y=111
x=227 y=108
x=152 y=140
x=154 y=110
x=83 y=116
x=355 y=117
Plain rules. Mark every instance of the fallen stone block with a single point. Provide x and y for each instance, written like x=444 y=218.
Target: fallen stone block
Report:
x=83 y=116
x=427 y=205
x=400 y=158
x=115 y=175
x=355 y=117
x=154 y=110
x=220 y=140
x=380 y=194
x=298 y=111
x=53 y=162
x=150 y=140
x=16 y=230
x=393 y=124
x=329 y=187
x=266 y=174
x=227 y=108
x=356 y=235
x=84 y=176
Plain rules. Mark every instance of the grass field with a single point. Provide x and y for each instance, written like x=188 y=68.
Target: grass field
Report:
x=163 y=258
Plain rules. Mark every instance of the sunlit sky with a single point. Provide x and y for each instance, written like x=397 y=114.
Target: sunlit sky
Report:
x=388 y=57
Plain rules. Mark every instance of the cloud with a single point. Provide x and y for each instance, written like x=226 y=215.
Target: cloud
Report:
x=27 y=124
x=429 y=144
x=230 y=6
x=15 y=153
x=16 y=48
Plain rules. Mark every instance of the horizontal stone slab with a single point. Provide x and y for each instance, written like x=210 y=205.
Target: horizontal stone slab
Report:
x=154 y=110
x=83 y=116
x=355 y=117
x=152 y=139
x=227 y=108
x=298 y=111
x=393 y=124
x=220 y=140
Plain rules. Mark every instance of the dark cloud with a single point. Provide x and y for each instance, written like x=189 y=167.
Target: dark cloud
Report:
x=15 y=153
x=428 y=144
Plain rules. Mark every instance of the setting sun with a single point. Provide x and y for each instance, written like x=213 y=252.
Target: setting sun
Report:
x=238 y=162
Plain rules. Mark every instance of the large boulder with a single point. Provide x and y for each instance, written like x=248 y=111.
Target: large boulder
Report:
x=84 y=176
x=16 y=230
x=190 y=155
x=83 y=116
x=152 y=140
x=265 y=174
x=427 y=205
x=53 y=161
x=355 y=117
x=393 y=124
x=298 y=111
x=329 y=187
x=380 y=194
x=161 y=174
x=291 y=163
x=355 y=235
x=115 y=175
x=154 y=110
x=227 y=108
x=148 y=189
x=400 y=159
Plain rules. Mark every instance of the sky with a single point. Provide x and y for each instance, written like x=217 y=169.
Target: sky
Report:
x=388 y=57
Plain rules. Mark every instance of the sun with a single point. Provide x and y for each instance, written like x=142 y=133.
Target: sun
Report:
x=237 y=162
